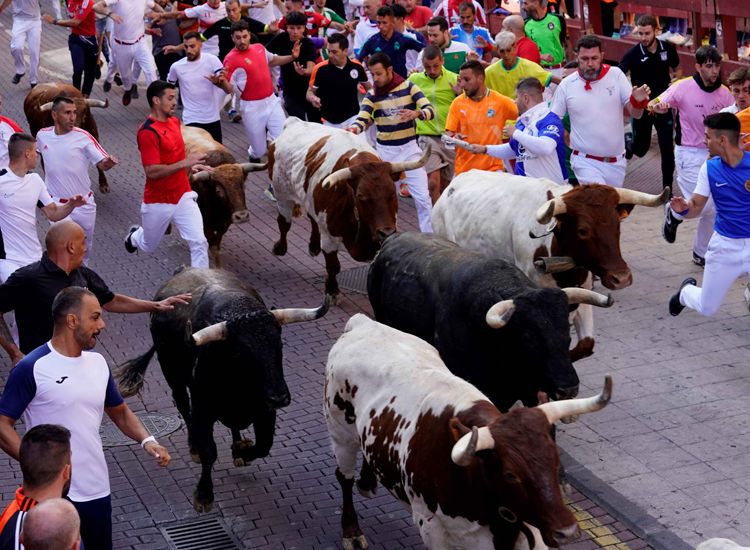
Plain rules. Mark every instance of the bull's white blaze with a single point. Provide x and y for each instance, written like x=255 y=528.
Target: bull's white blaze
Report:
x=383 y=362
x=289 y=170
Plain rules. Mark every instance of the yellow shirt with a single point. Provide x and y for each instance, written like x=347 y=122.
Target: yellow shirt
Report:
x=744 y=117
x=483 y=122
x=504 y=81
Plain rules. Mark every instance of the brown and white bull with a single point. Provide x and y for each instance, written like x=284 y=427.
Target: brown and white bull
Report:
x=471 y=476
x=531 y=222
x=221 y=193
x=38 y=109
x=348 y=192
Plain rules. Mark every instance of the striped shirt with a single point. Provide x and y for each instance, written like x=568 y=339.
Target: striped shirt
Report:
x=391 y=130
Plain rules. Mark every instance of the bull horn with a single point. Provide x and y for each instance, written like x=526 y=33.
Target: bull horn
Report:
x=202 y=175
x=296 y=315
x=569 y=407
x=97 y=103
x=554 y=264
x=480 y=439
x=211 y=333
x=405 y=166
x=550 y=209
x=583 y=296
x=628 y=196
x=339 y=175
x=550 y=229
x=248 y=167
x=499 y=314
x=46 y=107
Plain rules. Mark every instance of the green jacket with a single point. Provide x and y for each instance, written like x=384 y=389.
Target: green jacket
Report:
x=440 y=94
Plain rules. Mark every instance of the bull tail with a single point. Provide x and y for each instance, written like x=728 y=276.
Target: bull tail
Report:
x=297 y=210
x=130 y=375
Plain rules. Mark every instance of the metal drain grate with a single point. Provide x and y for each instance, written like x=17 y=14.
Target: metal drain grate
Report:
x=352 y=279
x=201 y=534
x=157 y=424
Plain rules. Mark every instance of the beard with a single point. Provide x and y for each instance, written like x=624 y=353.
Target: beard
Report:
x=65 y=489
x=649 y=44
x=591 y=74
x=85 y=341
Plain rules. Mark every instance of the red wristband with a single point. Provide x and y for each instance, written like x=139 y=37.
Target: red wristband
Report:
x=638 y=104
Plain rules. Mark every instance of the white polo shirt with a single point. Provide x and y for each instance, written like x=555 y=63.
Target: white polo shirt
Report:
x=66 y=161
x=26 y=9
x=7 y=129
x=207 y=16
x=19 y=198
x=48 y=388
x=596 y=124
x=132 y=12
x=265 y=15
x=200 y=98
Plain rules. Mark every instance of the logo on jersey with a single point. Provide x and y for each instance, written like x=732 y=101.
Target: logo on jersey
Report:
x=663 y=56
x=747 y=185
x=397 y=46
x=644 y=59
x=354 y=73
x=248 y=61
x=610 y=89
x=8 y=195
x=490 y=112
x=63 y=379
x=552 y=129
x=551 y=26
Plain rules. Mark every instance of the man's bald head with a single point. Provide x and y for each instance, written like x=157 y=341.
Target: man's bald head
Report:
x=52 y=525
x=62 y=233
x=514 y=24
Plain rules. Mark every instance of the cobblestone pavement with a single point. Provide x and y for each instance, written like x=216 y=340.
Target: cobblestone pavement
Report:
x=674 y=440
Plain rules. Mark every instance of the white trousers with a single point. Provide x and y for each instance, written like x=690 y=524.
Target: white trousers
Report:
x=688 y=161
x=346 y=123
x=23 y=30
x=595 y=171
x=415 y=179
x=85 y=216
x=257 y=116
x=726 y=260
x=185 y=215
x=125 y=56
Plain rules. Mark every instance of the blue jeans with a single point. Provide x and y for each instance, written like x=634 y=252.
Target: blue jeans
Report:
x=83 y=50
x=96 y=523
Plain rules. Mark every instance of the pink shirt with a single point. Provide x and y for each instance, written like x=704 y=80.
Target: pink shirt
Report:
x=694 y=104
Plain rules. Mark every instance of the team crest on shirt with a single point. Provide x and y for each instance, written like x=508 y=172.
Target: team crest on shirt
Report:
x=353 y=73
x=610 y=89
x=490 y=112
x=248 y=61
x=663 y=56
x=397 y=46
x=551 y=26
x=747 y=185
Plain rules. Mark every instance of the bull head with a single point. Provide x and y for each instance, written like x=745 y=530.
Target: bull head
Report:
x=555 y=207
x=219 y=331
x=90 y=102
x=499 y=314
x=396 y=168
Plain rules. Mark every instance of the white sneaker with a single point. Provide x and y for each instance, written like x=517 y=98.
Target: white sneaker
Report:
x=664 y=36
x=676 y=38
x=688 y=39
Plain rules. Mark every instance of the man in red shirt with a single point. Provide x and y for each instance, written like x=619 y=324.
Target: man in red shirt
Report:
x=82 y=43
x=168 y=197
x=7 y=129
x=315 y=21
x=525 y=46
x=416 y=16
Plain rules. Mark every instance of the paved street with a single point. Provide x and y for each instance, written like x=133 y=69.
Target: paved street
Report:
x=674 y=441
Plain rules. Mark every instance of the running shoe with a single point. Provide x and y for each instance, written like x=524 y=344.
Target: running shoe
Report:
x=134 y=92
x=17 y=78
x=628 y=145
x=118 y=80
x=669 y=228
x=699 y=260
x=403 y=190
x=107 y=86
x=128 y=244
x=676 y=38
x=269 y=193
x=126 y=97
x=675 y=307
x=664 y=35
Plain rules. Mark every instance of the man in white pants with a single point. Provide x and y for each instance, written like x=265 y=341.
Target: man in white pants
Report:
x=27 y=25
x=129 y=42
x=726 y=179
x=396 y=103
x=594 y=97
x=168 y=197
x=67 y=151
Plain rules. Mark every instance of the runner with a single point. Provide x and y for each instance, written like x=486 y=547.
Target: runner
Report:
x=455 y=53
x=450 y=9
x=503 y=76
x=390 y=42
x=550 y=33
x=27 y=26
x=525 y=46
x=739 y=86
x=468 y=32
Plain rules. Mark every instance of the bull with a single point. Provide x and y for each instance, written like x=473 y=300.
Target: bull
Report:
x=221 y=193
x=225 y=347
x=38 y=109
x=348 y=192
x=472 y=477
x=492 y=326
x=527 y=220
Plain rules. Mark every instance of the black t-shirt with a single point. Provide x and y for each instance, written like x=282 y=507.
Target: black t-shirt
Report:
x=651 y=68
x=30 y=291
x=223 y=29
x=337 y=89
x=294 y=83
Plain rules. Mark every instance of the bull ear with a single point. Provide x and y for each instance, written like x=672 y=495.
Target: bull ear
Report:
x=624 y=210
x=457 y=428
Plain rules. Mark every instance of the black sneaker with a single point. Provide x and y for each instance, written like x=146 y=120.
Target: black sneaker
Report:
x=118 y=80
x=129 y=245
x=675 y=307
x=107 y=86
x=134 y=92
x=17 y=78
x=699 y=260
x=669 y=229
x=628 y=145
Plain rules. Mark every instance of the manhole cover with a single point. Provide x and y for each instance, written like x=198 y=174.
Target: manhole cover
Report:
x=352 y=279
x=157 y=424
x=201 y=534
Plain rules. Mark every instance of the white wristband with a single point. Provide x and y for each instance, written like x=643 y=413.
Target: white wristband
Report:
x=149 y=438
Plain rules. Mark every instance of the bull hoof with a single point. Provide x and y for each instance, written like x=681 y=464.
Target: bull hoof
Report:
x=335 y=298
x=566 y=490
x=239 y=463
x=202 y=505
x=366 y=491
x=243 y=452
x=348 y=543
x=195 y=456
x=104 y=188
x=314 y=249
x=279 y=249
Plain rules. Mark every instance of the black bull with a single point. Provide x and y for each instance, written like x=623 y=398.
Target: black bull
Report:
x=427 y=286
x=225 y=347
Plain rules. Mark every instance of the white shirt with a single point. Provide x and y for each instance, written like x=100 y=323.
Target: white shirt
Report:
x=132 y=12
x=26 y=9
x=7 y=129
x=49 y=388
x=66 y=161
x=200 y=98
x=18 y=202
x=596 y=126
x=363 y=31
x=731 y=109
x=206 y=17
x=265 y=15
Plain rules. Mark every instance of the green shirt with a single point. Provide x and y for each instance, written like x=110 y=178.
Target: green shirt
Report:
x=504 y=81
x=440 y=94
x=323 y=31
x=548 y=34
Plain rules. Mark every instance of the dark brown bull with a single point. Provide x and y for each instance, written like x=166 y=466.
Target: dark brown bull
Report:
x=38 y=109
x=221 y=193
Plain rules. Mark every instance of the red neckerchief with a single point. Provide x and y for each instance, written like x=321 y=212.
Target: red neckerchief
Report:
x=605 y=70
x=395 y=81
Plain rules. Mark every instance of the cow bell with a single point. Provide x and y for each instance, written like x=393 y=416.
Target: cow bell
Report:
x=553 y=264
